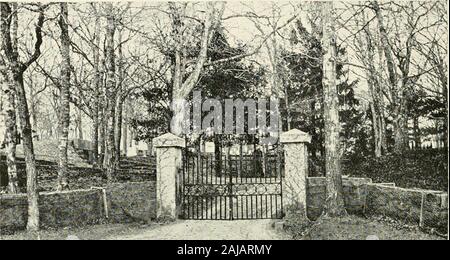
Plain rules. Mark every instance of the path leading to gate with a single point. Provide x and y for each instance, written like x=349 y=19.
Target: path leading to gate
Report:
x=209 y=230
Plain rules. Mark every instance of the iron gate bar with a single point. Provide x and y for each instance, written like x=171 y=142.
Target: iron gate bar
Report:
x=240 y=190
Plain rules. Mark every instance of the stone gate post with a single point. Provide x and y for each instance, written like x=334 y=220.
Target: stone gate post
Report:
x=296 y=169
x=168 y=161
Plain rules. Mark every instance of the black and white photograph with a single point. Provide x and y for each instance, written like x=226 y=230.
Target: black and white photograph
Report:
x=224 y=126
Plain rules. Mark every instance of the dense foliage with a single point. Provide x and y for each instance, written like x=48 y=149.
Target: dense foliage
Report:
x=302 y=81
x=425 y=169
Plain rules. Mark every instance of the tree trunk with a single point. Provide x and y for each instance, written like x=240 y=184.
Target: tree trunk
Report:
x=178 y=117
x=288 y=109
x=149 y=148
x=377 y=116
x=109 y=160
x=218 y=155
x=376 y=133
x=118 y=132
x=9 y=107
x=9 y=104
x=380 y=95
x=33 y=112
x=120 y=99
x=125 y=131
x=335 y=199
x=95 y=129
x=444 y=83
x=314 y=135
x=182 y=89
x=417 y=134
x=94 y=134
x=80 y=134
x=34 y=120
x=30 y=161
x=64 y=109
x=398 y=97
x=366 y=46
x=102 y=133
x=264 y=159
x=399 y=129
x=97 y=84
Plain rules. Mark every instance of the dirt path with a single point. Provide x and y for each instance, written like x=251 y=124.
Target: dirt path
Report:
x=209 y=230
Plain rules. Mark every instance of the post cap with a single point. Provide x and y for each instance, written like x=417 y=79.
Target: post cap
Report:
x=169 y=140
x=295 y=136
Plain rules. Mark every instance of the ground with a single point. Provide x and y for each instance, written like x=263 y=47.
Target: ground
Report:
x=351 y=228
x=180 y=230
x=209 y=230
x=357 y=228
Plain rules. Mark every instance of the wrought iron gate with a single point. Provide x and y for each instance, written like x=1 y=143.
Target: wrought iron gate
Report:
x=232 y=188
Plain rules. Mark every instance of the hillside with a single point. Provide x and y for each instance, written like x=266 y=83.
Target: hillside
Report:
x=48 y=151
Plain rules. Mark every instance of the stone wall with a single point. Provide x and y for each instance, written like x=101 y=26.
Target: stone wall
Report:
x=56 y=209
x=424 y=208
x=80 y=178
x=132 y=201
x=354 y=195
x=124 y=203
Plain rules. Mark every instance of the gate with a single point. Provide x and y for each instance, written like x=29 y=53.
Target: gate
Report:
x=231 y=187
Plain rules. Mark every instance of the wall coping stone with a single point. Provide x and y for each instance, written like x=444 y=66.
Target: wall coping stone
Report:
x=406 y=189
x=48 y=193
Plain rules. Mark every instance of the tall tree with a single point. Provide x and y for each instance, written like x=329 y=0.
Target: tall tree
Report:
x=302 y=79
x=183 y=84
x=16 y=69
x=9 y=108
x=392 y=78
x=64 y=110
x=111 y=93
x=95 y=46
x=120 y=98
x=335 y=200
x=366 y=44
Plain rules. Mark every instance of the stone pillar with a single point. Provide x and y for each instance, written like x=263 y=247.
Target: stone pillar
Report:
x=168 y=162
x=296 y=169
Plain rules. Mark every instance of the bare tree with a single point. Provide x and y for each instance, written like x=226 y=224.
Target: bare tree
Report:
x=16 y=69
x=9 y=109
x=335 y=199
x=398 y=48
x=36 y=89
x=365 y=51
x=111 y=93
x=64 y=109
x=95 y=46
x=181 y=87
x=120 y=99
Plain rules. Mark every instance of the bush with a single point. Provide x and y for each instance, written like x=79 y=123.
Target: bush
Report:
x=296 y=223
x=424 y=169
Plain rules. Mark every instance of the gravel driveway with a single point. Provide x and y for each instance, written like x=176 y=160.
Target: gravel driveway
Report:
x=209 y=230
